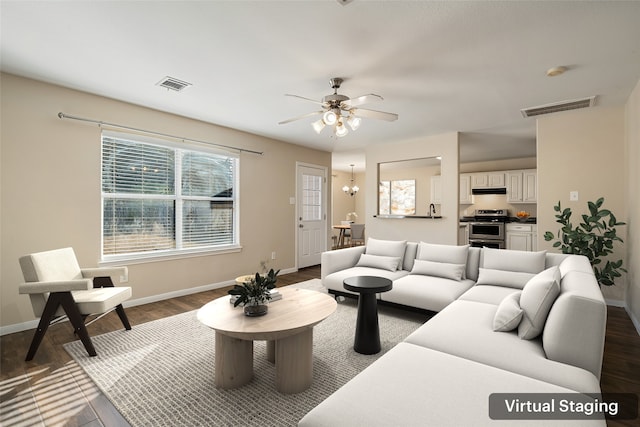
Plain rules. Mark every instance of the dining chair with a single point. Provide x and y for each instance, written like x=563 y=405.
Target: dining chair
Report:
x=357 y=234
x=59 y=290
x=347 y=232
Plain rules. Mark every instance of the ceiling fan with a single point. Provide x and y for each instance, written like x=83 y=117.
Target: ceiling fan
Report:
x=339 y=109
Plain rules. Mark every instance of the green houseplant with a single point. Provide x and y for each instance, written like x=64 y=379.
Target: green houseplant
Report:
x=593 y=237
x=255 y=293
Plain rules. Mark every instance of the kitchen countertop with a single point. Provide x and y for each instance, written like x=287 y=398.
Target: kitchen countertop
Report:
x=530 y=220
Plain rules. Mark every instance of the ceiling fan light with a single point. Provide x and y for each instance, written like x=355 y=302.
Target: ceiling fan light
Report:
x=354 y=122
x=341 y=130
x=318 y=126
x=330 y=118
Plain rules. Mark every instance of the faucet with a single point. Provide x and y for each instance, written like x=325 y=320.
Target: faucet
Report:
x=432 y=209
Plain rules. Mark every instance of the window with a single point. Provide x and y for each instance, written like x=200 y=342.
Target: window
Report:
x=158 y=198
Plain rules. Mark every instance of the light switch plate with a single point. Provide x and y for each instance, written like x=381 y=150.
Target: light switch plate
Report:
x=573 y=196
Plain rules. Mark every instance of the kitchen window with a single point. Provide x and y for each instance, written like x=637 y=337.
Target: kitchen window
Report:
x=160 y=198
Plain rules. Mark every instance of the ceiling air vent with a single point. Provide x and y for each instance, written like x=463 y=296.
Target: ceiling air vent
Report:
x=559 y=106
x=173 y=84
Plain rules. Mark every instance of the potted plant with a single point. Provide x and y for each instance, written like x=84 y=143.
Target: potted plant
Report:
x=593 y=237
x=255 y=293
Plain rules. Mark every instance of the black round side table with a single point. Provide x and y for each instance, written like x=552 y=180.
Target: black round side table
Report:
x=367 y=339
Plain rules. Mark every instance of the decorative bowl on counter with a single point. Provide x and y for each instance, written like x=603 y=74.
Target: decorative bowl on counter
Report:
x=523 y=216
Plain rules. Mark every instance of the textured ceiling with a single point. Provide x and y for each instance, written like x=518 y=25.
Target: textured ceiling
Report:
x=442 y=66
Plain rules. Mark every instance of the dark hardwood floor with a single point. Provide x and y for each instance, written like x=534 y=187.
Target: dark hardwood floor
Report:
x=53 y=390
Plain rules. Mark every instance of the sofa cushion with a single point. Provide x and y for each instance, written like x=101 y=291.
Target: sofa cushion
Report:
x=536 y=300
x=449 y=254
x=438 y=269
x=334 y=281
x=428 y=293
x=487 y=294
x=508 y=314
x=510 y=279
x=390 y=248
x=378 y=261
x=471 y=323
x=409 y=256
x=510 y=260
x=415 y=386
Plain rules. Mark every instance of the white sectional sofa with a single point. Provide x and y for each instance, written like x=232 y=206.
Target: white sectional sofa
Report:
x=507 y=322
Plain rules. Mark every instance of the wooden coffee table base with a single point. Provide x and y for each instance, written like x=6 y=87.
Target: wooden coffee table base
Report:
x=234 y=361
x=287 y=328
x=292 y=355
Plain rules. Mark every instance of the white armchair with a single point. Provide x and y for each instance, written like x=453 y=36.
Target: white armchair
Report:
x=60 y=289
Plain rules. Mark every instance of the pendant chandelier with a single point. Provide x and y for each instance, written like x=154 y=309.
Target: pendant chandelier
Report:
x=351 y=189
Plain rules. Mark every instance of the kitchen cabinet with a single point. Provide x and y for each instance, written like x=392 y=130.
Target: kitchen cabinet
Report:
x=487 y=179
x=465 y=189
x=436 y=190
x=530 y=186
x=522 y=186
x=521 y=237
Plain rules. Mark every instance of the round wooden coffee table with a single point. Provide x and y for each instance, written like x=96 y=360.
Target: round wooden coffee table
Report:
x=367 y=339
x=287 y=328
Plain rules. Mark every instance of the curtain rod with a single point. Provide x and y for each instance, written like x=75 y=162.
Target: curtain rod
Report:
x=100 y=123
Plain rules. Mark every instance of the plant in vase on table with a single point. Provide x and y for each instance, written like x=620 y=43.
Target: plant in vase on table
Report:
x=255 y=293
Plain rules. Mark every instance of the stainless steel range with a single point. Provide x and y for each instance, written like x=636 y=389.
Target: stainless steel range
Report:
x=488 y=228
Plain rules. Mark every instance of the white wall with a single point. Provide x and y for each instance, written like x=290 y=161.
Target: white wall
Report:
x=582 y=150
x=443 y=231
x=50 y=197
x=632 y=242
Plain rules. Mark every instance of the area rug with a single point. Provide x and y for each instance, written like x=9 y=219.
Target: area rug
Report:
x=161 y=373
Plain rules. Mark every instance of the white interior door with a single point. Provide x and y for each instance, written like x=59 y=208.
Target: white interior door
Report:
x=311 y=208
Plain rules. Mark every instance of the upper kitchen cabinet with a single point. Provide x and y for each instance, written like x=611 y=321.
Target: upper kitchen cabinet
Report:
x=465 y=189
x=522 y=186
x=487 y=179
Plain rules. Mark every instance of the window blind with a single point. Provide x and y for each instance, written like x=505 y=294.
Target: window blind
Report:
x=162 y=198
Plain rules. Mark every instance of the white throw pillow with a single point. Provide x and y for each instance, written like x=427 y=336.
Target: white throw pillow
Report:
x=378 y=261
x=510 y=279
x=536 y=300
x=438 y=269
x=390 y=248
x=509 y=314
x=509 y=260
x=449 y=254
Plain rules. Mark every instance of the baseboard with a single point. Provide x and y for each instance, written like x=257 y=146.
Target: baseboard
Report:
x=19 y=327
x=634 y=319
x=615 y=303
x=32 y=324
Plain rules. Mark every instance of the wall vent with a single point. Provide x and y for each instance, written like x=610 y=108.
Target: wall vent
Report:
x=173 y=84
x=559 y=106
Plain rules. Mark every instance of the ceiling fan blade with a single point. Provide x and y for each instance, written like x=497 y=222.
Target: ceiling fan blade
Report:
x=373 y=114
x=300 y=117
x=364 y=99
x=307 y=99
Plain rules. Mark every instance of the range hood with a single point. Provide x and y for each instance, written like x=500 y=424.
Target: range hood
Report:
x=497 y=190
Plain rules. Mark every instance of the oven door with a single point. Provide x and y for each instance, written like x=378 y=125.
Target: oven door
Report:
x=486 y=243
x=486 y=230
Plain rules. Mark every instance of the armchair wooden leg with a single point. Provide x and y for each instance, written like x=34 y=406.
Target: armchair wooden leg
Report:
x=47 y=315
x=69 y=305
x=55 y=300
x=123 y=317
